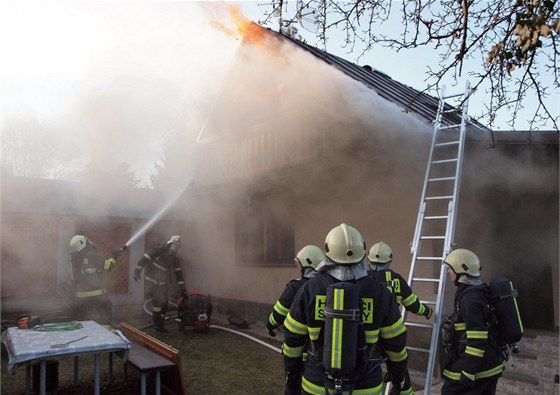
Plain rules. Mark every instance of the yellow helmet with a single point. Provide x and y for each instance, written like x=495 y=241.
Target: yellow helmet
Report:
x=78 y=243
x=310 y=256
x=345 y=245
x=463 y=261
x=380 y=253
x=175 y=240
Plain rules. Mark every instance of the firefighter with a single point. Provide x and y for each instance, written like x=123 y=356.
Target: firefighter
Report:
x=380 y=257
x=474 y=365
x=160 y=263
x=380 y=321
x=86 y=268
x=308 y=258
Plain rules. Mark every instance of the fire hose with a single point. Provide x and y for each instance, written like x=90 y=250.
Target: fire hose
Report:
x=258 y=341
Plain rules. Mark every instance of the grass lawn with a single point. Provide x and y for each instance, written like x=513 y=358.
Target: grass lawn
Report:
x=217 y=362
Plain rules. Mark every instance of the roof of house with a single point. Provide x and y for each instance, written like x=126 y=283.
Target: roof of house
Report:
x=410 y=99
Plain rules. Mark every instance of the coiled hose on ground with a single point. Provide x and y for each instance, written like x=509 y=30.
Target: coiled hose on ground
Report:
x=175 y=318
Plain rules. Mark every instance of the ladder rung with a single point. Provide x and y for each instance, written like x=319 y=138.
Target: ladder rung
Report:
x=437 y=162
x=429 y=258
x=452 y=110
x=426 y=280
x=432 y=217
x=442 y=179
x=432 y=237
x=438 y=197
x=454 y=126
x=410 y=348
x=418 y=325
x=447 y=143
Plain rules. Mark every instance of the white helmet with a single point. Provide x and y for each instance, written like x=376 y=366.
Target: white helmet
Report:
x=78 y=243
x=380 y=253
x=175 y=240
x=463 y=261
x=310 y=256
x=345 y=245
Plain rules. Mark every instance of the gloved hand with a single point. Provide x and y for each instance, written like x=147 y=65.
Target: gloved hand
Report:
x=428 y=312
x=116 y=254
x=397 y=384
x=270 y=329
x=292 y=384
x=136 y=276
x=184 y=293
x=466 y=381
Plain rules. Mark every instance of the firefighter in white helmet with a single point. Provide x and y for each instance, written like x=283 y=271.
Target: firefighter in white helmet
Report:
x=86 y=268
x=307 y=259
x=474 y=365
x=375 y=314
x=160 y=263
x=380 y=258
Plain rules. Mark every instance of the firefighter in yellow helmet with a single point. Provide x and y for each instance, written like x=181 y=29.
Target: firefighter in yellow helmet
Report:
x=380 y=258
x=474 y=365
x=86 y=268
x=307 y=259
x=160 y=263
x=347 y=361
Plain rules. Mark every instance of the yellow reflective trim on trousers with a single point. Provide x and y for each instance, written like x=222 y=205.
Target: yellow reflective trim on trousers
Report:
x=292 y=352
x=388 y=332
x=314 y=332
x=475 y=352
x=178 y=269
x=397 y=356
x=91 y=270
x=372 y=336
x=147 y=257
x=337 y=325
x=407 y=392
x=154 y=281
x=294 y=326
x=160 y=267
x=410 y=300
x=480 y=375
x=460 y=326
x=89 y=294
x=156 y=309
x=477 y=334
x=280 y=309
x=315 y=389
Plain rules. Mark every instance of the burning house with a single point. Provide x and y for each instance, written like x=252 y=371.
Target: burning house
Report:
x=297 y=142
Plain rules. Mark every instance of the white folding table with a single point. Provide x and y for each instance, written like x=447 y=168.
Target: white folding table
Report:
x=28 y=345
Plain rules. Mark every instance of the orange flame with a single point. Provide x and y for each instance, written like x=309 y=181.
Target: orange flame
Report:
x=242 y=26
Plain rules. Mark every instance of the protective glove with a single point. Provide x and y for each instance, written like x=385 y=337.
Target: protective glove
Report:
x=116 y=254
x=428 y=312
x=184 y=293
x=397 y=384
x=270 y=329
x=293 y=383
x=466 y=381
x=136 y=276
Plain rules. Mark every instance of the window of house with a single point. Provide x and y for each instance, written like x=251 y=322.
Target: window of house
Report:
x=261 y=239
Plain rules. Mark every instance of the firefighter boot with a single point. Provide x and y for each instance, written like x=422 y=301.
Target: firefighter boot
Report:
x=159 y=320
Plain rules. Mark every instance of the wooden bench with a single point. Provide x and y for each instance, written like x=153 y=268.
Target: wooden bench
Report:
x=148 y=355
x=146 y=362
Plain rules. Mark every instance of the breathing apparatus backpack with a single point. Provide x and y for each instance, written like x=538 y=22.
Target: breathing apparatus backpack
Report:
x=505 y=326
x=345 y=353
x=195 y=309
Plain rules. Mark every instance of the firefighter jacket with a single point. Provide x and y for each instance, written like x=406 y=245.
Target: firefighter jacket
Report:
x=383 y=327
x=472 y=352
x=159 y=266
x=86 y=269
x=400 y=288
x=282 y=305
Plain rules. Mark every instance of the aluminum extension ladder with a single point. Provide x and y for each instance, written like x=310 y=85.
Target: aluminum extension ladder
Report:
x=435 y=225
